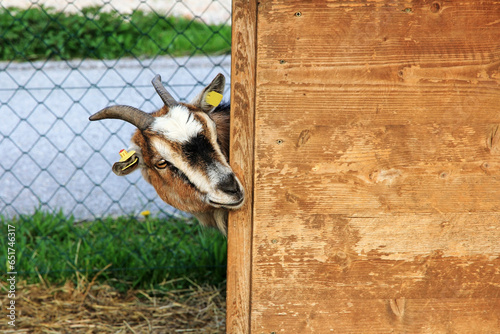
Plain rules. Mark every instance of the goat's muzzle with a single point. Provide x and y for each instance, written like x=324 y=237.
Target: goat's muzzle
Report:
x=229 y=194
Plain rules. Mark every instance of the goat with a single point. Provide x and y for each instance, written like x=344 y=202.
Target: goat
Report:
x=182 y=150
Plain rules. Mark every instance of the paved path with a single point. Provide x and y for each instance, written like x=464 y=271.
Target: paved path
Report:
x=53 y=157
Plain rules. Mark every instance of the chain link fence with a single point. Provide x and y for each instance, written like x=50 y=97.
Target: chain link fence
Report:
x=53 y=158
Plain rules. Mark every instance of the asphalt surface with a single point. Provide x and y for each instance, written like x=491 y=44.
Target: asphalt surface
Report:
x=54 y=158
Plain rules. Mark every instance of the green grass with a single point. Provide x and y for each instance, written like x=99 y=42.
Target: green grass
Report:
x=142 y=254
x=43 y=33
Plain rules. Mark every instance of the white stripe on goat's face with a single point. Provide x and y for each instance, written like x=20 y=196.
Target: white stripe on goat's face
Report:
x=178 y=125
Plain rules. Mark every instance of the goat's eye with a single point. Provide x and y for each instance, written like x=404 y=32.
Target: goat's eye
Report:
x=161 y=164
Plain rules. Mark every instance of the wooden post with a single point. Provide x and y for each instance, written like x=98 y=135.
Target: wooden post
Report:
x=241 y=158
x=367 y=135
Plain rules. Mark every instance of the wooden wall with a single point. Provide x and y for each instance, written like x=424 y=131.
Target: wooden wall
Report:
x=367 y=134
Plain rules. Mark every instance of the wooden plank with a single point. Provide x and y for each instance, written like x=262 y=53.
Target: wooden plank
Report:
x=360 y=33
x=377 y=160
x=349 y=103
x=383 y=257
x=325 y=315
x=241 y=158
x=386 y=168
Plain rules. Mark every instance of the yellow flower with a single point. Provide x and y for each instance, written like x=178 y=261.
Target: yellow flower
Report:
x=145 y=213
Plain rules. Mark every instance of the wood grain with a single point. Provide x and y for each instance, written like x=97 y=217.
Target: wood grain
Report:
x=241 y=159
x=377 y=167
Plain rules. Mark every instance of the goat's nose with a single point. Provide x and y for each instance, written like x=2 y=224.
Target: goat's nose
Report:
x=229 y=185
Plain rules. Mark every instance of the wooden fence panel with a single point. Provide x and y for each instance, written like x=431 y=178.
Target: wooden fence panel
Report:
x=376 y=191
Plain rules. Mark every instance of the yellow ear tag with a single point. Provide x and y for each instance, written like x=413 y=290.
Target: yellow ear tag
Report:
x=124 y=156
x=213 y=98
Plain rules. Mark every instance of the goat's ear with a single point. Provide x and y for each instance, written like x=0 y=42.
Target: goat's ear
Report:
x=127 y=166
x=210 y=96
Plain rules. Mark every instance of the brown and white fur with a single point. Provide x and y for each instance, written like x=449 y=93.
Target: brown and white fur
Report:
x=182 y=150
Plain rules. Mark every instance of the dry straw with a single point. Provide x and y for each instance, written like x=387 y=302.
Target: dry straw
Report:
x=88 y=307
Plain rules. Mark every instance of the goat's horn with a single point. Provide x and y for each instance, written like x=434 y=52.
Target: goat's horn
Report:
x=129 y=114
x=160 y=89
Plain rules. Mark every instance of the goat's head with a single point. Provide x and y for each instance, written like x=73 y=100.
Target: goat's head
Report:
x=181 y=150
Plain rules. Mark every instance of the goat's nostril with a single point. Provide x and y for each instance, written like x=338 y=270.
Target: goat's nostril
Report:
x=229 y=185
